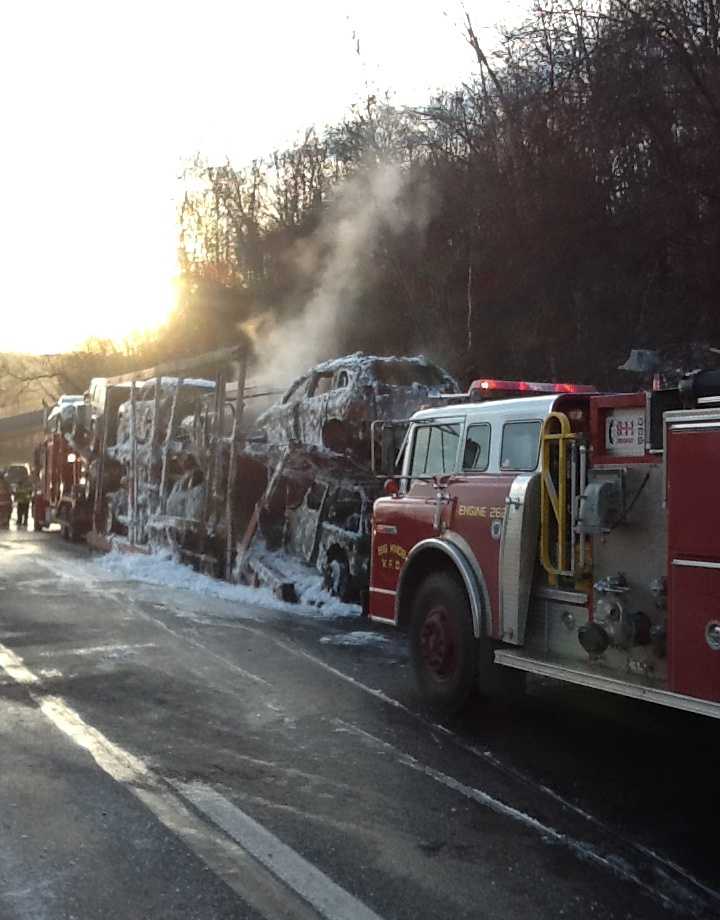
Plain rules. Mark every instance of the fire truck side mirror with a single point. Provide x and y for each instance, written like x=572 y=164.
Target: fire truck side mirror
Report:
x=391 y=487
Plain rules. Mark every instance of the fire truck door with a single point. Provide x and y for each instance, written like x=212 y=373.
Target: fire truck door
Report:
x=424 y=511
x=518 y=555
x=478 y=511
x=398 y=524
x=693 y=496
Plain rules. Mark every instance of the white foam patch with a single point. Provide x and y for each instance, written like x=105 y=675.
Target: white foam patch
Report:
x=160 y=568
x=356 y=638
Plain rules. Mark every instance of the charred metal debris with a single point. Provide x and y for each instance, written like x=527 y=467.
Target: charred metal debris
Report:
x=241 y=480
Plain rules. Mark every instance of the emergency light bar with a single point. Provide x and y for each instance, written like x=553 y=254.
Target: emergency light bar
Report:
x=490 y=388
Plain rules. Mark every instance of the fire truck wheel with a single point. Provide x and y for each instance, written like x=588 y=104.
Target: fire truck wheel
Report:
x=443 y=647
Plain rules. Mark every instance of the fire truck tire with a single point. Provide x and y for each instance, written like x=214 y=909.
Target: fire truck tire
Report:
x=443 y=647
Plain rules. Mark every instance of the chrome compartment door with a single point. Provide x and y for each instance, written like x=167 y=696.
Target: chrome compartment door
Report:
x=518 y=555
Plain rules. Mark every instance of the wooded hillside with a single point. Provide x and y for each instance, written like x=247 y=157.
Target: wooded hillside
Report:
x=558 y=208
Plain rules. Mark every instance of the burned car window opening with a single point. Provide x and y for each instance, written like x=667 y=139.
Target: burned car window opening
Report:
x=323 y=384
x=407 y=373
x=296 y=393
x=315 y=495
x=346 y=509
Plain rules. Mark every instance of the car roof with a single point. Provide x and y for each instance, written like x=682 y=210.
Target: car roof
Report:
x=527 y=407
x=360 y=359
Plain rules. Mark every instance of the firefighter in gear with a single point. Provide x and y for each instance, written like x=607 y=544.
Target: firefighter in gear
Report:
x=23 y=495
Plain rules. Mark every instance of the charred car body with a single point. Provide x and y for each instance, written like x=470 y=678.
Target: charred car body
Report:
x=320 y=506
x=317 y=510
x=333 y=405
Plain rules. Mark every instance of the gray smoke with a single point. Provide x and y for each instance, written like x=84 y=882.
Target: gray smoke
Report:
x=337 y=260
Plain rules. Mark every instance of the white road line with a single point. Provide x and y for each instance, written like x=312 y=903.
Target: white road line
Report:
x=97 y=649
x=14 y=667
x=116 y=762
x=304 y=890
x=329 y=899
x=483 y=798
x=378 y=694
x=248 y=675
x=663 y=866
x=580 y=847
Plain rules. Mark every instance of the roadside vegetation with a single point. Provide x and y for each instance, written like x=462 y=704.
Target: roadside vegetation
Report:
x=559 y=207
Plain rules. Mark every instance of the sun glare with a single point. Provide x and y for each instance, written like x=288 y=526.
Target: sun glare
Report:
x=117 y=278
x=106 y=106
x=128 y=305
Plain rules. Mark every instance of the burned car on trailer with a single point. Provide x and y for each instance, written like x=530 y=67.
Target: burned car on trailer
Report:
x=153 y=409
x=333 y=405
x=318 y=512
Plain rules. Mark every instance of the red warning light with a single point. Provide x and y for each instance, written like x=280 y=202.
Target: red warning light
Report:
x=510 y=388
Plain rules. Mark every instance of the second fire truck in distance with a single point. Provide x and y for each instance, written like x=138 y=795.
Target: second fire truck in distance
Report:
x=561 y=532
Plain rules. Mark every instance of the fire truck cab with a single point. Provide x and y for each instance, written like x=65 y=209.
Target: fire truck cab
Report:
x=569 y=534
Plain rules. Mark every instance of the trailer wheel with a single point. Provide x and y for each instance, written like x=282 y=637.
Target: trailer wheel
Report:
x=336 y=576
x=443 y=648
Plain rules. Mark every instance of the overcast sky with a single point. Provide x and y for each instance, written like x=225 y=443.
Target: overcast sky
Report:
x=103 y=100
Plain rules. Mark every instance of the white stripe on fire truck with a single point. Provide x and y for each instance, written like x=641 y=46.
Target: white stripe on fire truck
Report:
x=696 y=563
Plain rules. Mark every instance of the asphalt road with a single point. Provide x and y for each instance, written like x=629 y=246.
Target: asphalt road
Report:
x=167 y=754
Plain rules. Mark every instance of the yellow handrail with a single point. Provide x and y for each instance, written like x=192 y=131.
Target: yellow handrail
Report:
x=553 y=496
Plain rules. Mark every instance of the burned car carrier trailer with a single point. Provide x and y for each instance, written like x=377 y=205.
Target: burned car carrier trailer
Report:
x=175 y=459
x=166 y=466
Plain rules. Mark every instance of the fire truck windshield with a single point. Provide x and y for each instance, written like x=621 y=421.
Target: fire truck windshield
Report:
x=435 y=449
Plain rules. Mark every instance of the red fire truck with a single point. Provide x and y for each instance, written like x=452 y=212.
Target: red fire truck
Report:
x=61 y=471
x=562 y=532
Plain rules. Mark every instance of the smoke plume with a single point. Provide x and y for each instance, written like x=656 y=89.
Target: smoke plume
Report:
x=336 y=262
